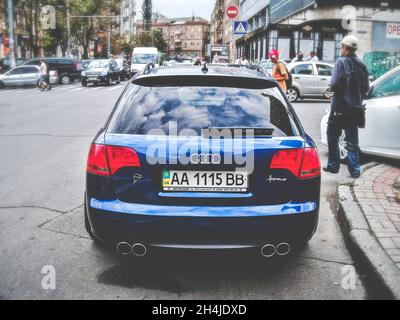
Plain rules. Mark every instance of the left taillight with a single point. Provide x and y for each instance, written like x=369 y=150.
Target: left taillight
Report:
x=106 y=160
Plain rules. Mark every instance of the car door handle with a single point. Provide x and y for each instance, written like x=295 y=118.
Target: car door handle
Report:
x=296 y=78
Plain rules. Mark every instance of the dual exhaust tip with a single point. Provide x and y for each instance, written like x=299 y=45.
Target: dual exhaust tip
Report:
x=269 y=250
x=140 y=250
x=137 y=249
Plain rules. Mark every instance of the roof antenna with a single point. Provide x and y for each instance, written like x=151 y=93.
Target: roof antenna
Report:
x=204 y=69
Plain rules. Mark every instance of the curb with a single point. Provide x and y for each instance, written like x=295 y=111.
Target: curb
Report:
x=368 y=251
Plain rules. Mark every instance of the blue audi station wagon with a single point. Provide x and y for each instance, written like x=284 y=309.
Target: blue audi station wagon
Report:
x=202 y=158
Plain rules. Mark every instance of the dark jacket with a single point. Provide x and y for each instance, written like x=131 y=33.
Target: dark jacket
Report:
x=349 y=83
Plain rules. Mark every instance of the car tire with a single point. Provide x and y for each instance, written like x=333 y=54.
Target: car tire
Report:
x=109 y=81
x=2 y=86
x=293 y=94
x=84 y=84
x=65 y=79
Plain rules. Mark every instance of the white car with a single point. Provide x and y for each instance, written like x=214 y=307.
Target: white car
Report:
x=310 y=79
x=381 y=136
x=28 y=75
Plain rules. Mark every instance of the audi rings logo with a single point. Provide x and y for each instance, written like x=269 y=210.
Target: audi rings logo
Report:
x=205 y=158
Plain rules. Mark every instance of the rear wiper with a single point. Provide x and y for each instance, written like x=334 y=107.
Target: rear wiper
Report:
x=225 y=132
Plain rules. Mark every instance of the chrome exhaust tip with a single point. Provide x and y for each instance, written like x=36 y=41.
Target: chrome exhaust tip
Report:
x=283 y=249
x=124 y=248
x=268 y=251
x=139 y=250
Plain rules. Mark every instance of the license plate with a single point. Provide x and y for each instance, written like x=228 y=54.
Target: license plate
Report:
x=204 y=181
x=92 y=78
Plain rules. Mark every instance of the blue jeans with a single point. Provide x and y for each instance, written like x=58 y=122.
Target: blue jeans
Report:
x=336 y=125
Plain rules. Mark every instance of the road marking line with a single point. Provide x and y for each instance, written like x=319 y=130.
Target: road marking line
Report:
x=77 y=89
x=113 y=88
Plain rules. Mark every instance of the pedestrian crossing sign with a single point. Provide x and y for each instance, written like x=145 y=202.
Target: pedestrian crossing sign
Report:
x=240 y=27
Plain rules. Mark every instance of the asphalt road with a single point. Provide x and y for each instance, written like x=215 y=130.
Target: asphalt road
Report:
x=44 y=140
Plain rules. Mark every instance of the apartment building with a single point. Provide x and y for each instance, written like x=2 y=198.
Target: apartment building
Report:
x=184 y=36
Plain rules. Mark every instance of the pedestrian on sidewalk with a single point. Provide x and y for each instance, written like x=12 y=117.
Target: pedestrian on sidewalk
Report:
x=243 y=60
x=299 y=57
x=349 y=85
x=279 y=71
x=313 y=57
x=44 y=75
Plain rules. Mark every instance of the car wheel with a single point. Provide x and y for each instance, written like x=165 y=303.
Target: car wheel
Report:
x=342 y=147
x=293 y=94
x=84 y=84
x=65 y=79
x=109 y=81
x=2 y=86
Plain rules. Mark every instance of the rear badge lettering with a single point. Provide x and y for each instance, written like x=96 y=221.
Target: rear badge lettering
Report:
x=136 y=178
x=271 y=179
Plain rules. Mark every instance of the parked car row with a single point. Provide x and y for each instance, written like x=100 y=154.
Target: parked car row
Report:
x=64 y=71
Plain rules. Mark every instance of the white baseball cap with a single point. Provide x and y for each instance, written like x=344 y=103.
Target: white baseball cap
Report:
x=350 y=41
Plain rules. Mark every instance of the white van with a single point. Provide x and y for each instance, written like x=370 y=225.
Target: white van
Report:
x=141 y=57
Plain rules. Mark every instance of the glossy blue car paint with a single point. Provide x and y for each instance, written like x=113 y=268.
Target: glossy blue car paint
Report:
x=285 y=209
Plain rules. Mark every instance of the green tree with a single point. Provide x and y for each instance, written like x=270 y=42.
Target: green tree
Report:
x=144 y=39
x=158 y=40
x=147 y=9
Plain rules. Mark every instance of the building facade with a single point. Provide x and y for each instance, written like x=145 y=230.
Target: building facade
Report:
x=229 y=38
x=318 y=25
x=218 y=22
x=127 y=19
x=183 y=36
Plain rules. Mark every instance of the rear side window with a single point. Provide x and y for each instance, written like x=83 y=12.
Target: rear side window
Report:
x=27 y=70
x=303 y=69
x=143 y=109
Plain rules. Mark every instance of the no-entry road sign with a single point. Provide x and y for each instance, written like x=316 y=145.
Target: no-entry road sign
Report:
x=232 y=12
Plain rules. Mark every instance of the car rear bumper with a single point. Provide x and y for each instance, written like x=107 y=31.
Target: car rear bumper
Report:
x=202 y=227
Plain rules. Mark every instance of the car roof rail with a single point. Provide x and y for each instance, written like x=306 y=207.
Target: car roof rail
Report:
x=148 y=66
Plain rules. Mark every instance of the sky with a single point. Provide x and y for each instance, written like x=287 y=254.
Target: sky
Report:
x=179 y=8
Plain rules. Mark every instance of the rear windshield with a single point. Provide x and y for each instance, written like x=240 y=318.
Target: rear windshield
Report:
x=144 y=109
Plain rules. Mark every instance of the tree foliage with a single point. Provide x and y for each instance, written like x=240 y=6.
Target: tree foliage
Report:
x=147 y=9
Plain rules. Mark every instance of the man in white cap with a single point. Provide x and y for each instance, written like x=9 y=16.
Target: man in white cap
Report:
x=349 y=85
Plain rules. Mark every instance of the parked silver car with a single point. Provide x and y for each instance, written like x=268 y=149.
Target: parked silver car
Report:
x=381 y=136
x=27 y=75
x=310 y=79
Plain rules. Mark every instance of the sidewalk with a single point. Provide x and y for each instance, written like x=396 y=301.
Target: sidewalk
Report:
x=370 y=208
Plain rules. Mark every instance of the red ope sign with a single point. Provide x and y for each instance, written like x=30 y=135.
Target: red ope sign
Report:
x=232 y=12
x=393 y=30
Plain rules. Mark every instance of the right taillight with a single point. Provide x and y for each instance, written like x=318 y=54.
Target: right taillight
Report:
x=310 y=166
x=106 y=160
x=302 y=163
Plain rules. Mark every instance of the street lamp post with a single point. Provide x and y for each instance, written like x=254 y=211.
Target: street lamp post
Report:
x=68 y=31
x=11 y=32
